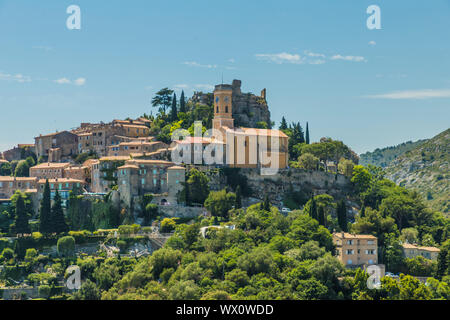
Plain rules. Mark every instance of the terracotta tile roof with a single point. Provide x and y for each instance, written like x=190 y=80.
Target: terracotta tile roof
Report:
x=176 y=168
x=128 y=166
x=354 y=236
x=61 y=180
x=259 y=132
x=51 y=165
x=411 y=246
x=20 y=179
x=115 y=158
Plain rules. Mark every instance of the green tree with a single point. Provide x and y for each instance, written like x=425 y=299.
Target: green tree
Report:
x=361 y=178
x=283 y=125
x=197 y=187
x=321 y=215
x=220 y=202
x=341 y=212
x=174 y=111
x=238 y=202
x=59 y=221
x=45 y=216
x=182 y=102
x=308 y=161
x=5 y=169
x=162 y=99
x=307 y=133
x=21 y=217
x=22 y=169
x=66 y=246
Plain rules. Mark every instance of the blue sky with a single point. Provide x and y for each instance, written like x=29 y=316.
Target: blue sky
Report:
x=317 y=59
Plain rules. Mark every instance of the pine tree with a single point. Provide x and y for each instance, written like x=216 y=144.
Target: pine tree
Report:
x=21 y=218
x=238 y=203
x=283 y=125
x=174 y=111
x=182 y=102
x=59 y=222
x=307 y=134
x=45 y=218
x=341 y=212
x=321 y=213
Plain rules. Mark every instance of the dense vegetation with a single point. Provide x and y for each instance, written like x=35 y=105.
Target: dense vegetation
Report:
x=385 y=156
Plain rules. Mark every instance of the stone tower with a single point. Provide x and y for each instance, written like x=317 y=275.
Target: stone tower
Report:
x=223 y=110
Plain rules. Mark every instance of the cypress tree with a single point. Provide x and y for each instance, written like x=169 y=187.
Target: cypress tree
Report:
x=59 y=223
x=21 y=218
x=321 y=213
x=313 y=209
x=238 y=203
x=442 y=264
x=283 y=125
x=174 y=111
x=182 y=102
x=265 y=205
x=45 y=211
x=307 y=133
x=362 y=212
x=342 y=215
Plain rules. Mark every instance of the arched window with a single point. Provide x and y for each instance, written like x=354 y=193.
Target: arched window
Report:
x=226 y=109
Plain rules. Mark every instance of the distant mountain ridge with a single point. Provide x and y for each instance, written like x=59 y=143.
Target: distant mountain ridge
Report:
x=385 y=156
x=425 y=168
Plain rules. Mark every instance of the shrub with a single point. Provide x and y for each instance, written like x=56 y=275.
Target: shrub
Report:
x=66 y=246
x=167 y=225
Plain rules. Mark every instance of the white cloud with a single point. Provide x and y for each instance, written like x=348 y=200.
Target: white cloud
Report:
x=80 y=81
x=196 y=64
x=348 y=58
x=372 y=43
x=76 y=82
x=413 y=94
x=15 y=78
x=315 y=55
x=280 y=58
x=63 y=81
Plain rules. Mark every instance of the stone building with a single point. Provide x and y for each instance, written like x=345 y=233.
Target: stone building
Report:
x=138 y=177
x=104 y=173
x=136 y=146
x=49 y=170
x=356 y=249
x=246 y=147
x=56 y=146
x=9 y=185
x=412 y=251
x=63 y=185
x=22 y=151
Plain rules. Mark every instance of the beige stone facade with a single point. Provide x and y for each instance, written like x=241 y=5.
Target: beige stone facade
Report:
x=356 y=249
x=65 y=141
x=412 y=251
x=49 y=170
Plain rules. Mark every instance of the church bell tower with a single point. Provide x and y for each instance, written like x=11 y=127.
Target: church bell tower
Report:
x=223 y=107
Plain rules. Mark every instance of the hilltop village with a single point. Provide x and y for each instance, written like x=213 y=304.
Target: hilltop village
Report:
x=135 y=188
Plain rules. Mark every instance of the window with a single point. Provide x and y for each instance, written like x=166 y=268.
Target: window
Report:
x=349 y=251
x=217 y=109
x=370 y=242
x=350 y=242
x=370 y=261
x=143 y=181
x=226 y=109
x=349 y=262
x=154 y=182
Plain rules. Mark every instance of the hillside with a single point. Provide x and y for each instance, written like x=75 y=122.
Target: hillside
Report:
x=384 y=157
x=426 y=169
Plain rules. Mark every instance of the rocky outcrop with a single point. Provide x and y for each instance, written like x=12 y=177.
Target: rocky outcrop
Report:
x=248 y=108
